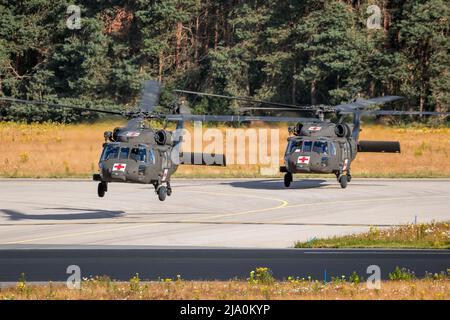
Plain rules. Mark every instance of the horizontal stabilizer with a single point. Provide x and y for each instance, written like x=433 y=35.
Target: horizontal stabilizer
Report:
x=379 y=146
x=200 y=159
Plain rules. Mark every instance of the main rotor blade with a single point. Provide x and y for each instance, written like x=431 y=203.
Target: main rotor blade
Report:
x=246 y=99
x=405 y=113
x=361 y=104
x=269 y=109
x=300 y=108
x=232 y=118
x=55 y=105
x=150 y=96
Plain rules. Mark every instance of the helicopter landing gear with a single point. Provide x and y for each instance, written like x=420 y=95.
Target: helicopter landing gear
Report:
x=349 y=176
x=102 y=189
x=343 y=180
x=288 y=179
x=162 y=193
x=169 y=189
x=338 y=175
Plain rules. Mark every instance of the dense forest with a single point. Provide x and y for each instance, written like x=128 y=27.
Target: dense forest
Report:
x=299 y=52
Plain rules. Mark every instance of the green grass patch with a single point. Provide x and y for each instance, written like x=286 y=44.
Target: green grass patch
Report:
x=435 y=235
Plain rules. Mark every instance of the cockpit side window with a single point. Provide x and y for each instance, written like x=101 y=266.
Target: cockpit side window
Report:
x=290 y=146
x=124 y=153
x=110 y=152
x=151 y=156
x=333 y=148
x=320 y=147
x=307 y=145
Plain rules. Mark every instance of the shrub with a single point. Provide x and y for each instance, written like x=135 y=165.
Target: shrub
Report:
x=135 y=283
x=261 y=275
x=402 y=274
x=354 y=278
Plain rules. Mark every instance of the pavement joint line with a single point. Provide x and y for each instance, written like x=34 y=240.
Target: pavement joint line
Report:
x=66 y=235
x=366 y=200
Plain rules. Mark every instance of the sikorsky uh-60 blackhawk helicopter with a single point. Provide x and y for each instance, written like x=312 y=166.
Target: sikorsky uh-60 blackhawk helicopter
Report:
x=138 y=153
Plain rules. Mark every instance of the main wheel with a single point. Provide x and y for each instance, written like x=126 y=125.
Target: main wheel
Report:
x=349 y=177
x=162 y=193
x=287 y=179
x=169 y=191
x=343 y=181
x=101 y=189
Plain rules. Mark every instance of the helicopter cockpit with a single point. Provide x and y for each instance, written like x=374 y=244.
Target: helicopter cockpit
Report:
x=119 y=151
x=319 y=146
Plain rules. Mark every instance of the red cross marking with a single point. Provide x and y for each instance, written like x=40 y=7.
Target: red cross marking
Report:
x=119 y=167
x=303 y=159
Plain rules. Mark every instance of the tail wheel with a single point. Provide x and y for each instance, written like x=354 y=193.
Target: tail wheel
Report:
x=343 y=180
x=101 y=189
x=162 y=193
x=287 y=179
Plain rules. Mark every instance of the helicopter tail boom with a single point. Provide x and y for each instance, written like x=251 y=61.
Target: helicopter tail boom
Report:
x=379 y=146
x=199 y=159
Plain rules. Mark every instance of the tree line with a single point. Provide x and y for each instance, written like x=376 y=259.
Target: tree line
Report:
x=299 y=52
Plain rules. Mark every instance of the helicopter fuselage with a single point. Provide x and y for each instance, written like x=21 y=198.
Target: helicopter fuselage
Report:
x=135 y=163
x=138 y=155
x=327 y=147
x=319 y=154
x=319 y=147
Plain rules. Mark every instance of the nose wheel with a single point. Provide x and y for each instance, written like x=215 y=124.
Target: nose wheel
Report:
x=163 y=191
x=343 y=180
x=287 y=179
x=102 y=189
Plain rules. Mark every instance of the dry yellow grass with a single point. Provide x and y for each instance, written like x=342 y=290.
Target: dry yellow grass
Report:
x=437 y=289
x=55 y=150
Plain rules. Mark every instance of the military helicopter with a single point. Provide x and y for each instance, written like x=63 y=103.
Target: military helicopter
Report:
x=320 y=146
x=138 y=153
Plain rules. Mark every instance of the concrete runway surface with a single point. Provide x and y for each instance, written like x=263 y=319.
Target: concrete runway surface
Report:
x=246 y=213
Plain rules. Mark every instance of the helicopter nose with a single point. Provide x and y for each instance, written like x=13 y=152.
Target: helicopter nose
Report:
x=300 y=161
x=116 y=169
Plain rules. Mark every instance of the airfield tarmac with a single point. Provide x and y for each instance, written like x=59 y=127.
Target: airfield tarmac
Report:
x=246 y=213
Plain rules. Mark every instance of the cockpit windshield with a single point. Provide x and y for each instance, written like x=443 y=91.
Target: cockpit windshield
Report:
x=320 y=147
x=115 y=151
x=124 y=151
x=139 y=154
x=308 y=146
x=110 y=152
